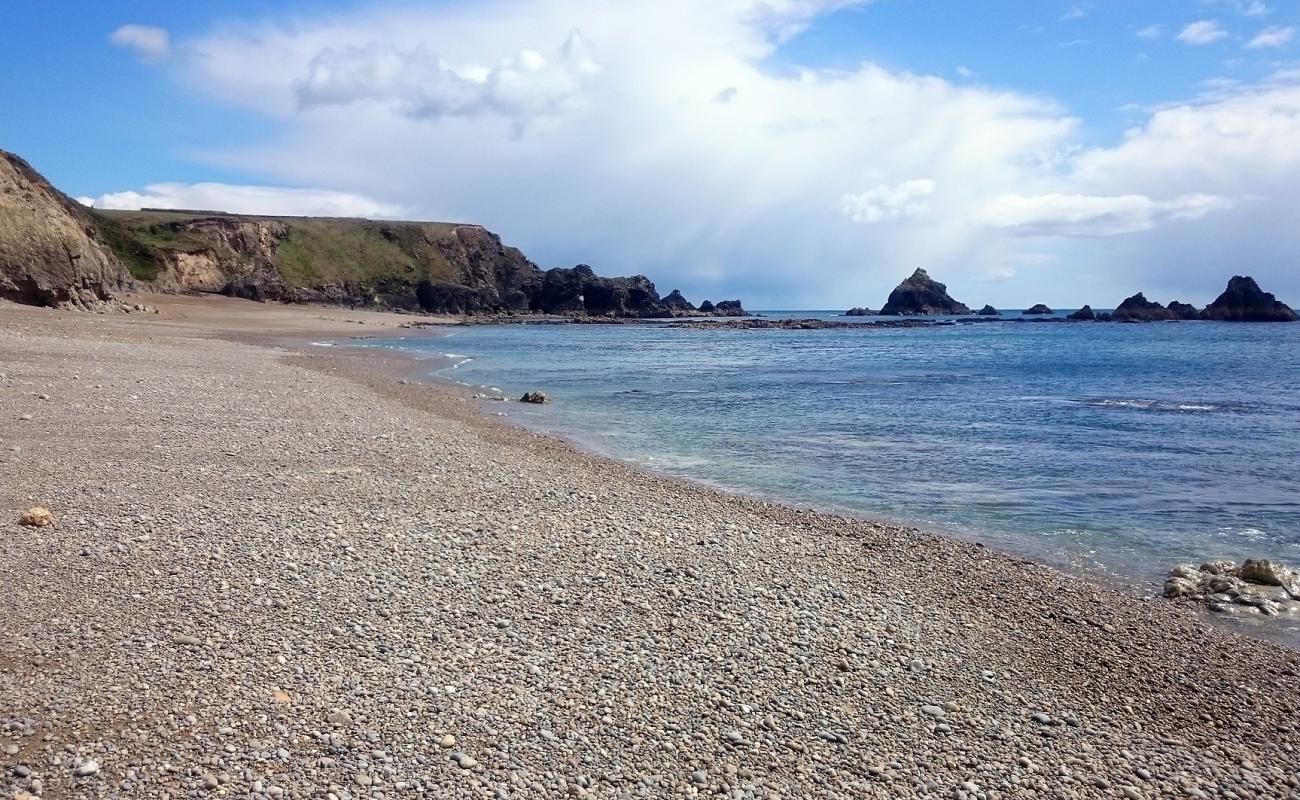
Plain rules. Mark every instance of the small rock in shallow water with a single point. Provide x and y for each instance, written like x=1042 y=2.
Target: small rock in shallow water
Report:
x=537 y=398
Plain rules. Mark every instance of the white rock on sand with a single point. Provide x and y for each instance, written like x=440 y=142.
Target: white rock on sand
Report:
x=284 y=574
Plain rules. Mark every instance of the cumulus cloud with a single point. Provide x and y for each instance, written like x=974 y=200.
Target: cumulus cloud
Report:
x=246 y=200
x=1093 y=215
x=1273 y=36
x=420 y=84
x=148 y=42
x=906 y=199
x=1202 y=32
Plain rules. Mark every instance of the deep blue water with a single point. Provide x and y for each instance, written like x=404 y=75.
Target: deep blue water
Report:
x=1105 y=448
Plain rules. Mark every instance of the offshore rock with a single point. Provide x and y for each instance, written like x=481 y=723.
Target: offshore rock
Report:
x=51 y=253
x=1244 y=301
x=676 y=302
x=859 y=312
x=921 y=295
x=1085 y=314
x=989 y=311
x=1139 y=309
x=1184 y=311
x=1038 y=308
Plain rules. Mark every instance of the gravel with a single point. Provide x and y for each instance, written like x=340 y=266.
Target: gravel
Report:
x=304 y=579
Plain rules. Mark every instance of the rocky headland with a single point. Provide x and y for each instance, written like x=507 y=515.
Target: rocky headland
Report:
x=55 y=252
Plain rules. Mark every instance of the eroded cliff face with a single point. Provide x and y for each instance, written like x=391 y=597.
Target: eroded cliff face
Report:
x=51 y=253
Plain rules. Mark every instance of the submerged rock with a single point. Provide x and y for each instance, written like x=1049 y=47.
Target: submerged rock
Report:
x=1244 y=301
x=989 y=311
x=1085 y=314
x=921 y=295
x=1038 y=308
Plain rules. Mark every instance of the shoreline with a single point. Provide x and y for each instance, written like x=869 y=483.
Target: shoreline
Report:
x=639 y=620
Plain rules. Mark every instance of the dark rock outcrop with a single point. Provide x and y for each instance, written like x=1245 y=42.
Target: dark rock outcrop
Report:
x=921 y=295
x=859 y=312
x=51 y=253
x=729 y=308
x=1244 y=301
x=676 y=303
x=989 y=311
x=1038 y=309
x=536 y=398
x=1184 y=311
x=1084 y=314
x=1139 y=309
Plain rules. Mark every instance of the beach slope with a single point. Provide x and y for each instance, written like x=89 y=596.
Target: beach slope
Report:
x=279 y=570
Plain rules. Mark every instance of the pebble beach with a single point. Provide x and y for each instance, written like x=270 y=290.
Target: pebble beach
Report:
x=284 y=570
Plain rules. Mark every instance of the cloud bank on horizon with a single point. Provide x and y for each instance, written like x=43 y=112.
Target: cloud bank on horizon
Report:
x=668 y=138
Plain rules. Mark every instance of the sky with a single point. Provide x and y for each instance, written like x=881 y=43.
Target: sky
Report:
x=792 y=153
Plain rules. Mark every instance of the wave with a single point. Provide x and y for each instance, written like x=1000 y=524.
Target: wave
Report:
x=1138 y=404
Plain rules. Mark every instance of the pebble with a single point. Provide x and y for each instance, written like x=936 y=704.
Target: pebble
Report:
x=86 y=769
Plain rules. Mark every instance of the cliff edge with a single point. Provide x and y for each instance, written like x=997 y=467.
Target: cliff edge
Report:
x=51 y=250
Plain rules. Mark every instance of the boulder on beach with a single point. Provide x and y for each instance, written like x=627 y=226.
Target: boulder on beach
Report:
x=988 y=311
x=921 y=295
x=36 y=517
x=859 y=312
x=1039 y=309
x=1244 y=301
x=533 y=397
x=1085 y=314
x=1139 y=309
x=1221 y=585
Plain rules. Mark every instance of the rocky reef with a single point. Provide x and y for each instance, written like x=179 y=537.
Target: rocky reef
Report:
x=921 y=295
x=1139 y=309
x=1244 y=301
x=859 y=312
x=1257 y=586
x=51 y=253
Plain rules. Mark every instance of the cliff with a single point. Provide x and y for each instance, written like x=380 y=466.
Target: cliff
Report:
x=51 y=251
x=431 y=267
x=55 y=252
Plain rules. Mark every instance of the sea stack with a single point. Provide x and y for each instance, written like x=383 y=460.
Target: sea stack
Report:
x=988 y=311
x=921 y=295
x=1085 y=314
x=1244 y=301
x=1038 y=309
x=1139 y=309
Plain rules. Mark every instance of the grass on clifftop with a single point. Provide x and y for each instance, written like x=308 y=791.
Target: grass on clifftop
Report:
x=316 y=250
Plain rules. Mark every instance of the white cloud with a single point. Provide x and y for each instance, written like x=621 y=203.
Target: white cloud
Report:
x=1273 y=36
x=1075 y=12
x=964 y=71
x=1093 y=215
x=419 y=84
x=906 y=199
x=1202 y=32
x=1255 y=8
x=148 y=42
x=246 y=200
x=1151 y=32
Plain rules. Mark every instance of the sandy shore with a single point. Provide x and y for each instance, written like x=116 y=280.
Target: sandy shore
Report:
x=280 y=572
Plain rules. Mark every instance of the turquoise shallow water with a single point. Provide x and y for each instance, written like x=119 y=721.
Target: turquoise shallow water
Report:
x=1116 y=449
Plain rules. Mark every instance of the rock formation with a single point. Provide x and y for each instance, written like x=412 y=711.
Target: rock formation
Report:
x=859 y=312
x=51 y=253
x=922 y=295
x=1038 y=309
x=677 y=303
x=1223 y=586
x=1244 y=301
x=1184 y=311
x=989 y=311
x=1139 y=309
x=1085 y=314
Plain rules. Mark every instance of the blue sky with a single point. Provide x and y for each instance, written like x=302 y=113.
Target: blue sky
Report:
x=800 y=152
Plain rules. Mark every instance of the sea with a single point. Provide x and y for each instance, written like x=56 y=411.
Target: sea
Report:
x=1111 y=450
